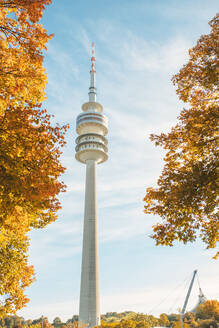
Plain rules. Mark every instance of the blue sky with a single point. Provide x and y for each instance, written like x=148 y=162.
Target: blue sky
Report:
x=139 y=46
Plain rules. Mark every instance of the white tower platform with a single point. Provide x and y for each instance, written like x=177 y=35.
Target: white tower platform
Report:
x=91 y=149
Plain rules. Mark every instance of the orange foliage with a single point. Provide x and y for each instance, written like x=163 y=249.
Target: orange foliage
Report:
x=23 y=77
x=187 y=194
x=208 y=310
x=30 y=147
x=31 y=8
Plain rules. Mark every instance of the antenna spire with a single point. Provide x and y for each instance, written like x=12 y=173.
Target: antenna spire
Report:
x=93 y=58
x=92 y=89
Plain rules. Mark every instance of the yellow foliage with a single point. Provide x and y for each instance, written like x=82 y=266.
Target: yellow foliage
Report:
x=29 y=146
x=187 y=194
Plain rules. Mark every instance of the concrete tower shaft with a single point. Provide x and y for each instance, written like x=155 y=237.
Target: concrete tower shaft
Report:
x=91 y=149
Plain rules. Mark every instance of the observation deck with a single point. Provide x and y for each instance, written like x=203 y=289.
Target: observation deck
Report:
x=92 y=122
x=92 y=127
x=91 y=146
x=91 y=143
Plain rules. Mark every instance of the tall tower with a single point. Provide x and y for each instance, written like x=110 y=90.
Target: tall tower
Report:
x=91 y=149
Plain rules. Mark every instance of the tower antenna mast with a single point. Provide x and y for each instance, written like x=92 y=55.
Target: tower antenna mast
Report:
x=93 y=58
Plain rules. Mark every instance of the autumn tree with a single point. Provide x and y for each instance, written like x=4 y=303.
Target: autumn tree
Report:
x=22 y=41
x=73 y=324
x=190 y=318
x=177 y=324
x=187 y=195
x=163 y=320
x=30 y=147
x=208 y=310
x=32 y=8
